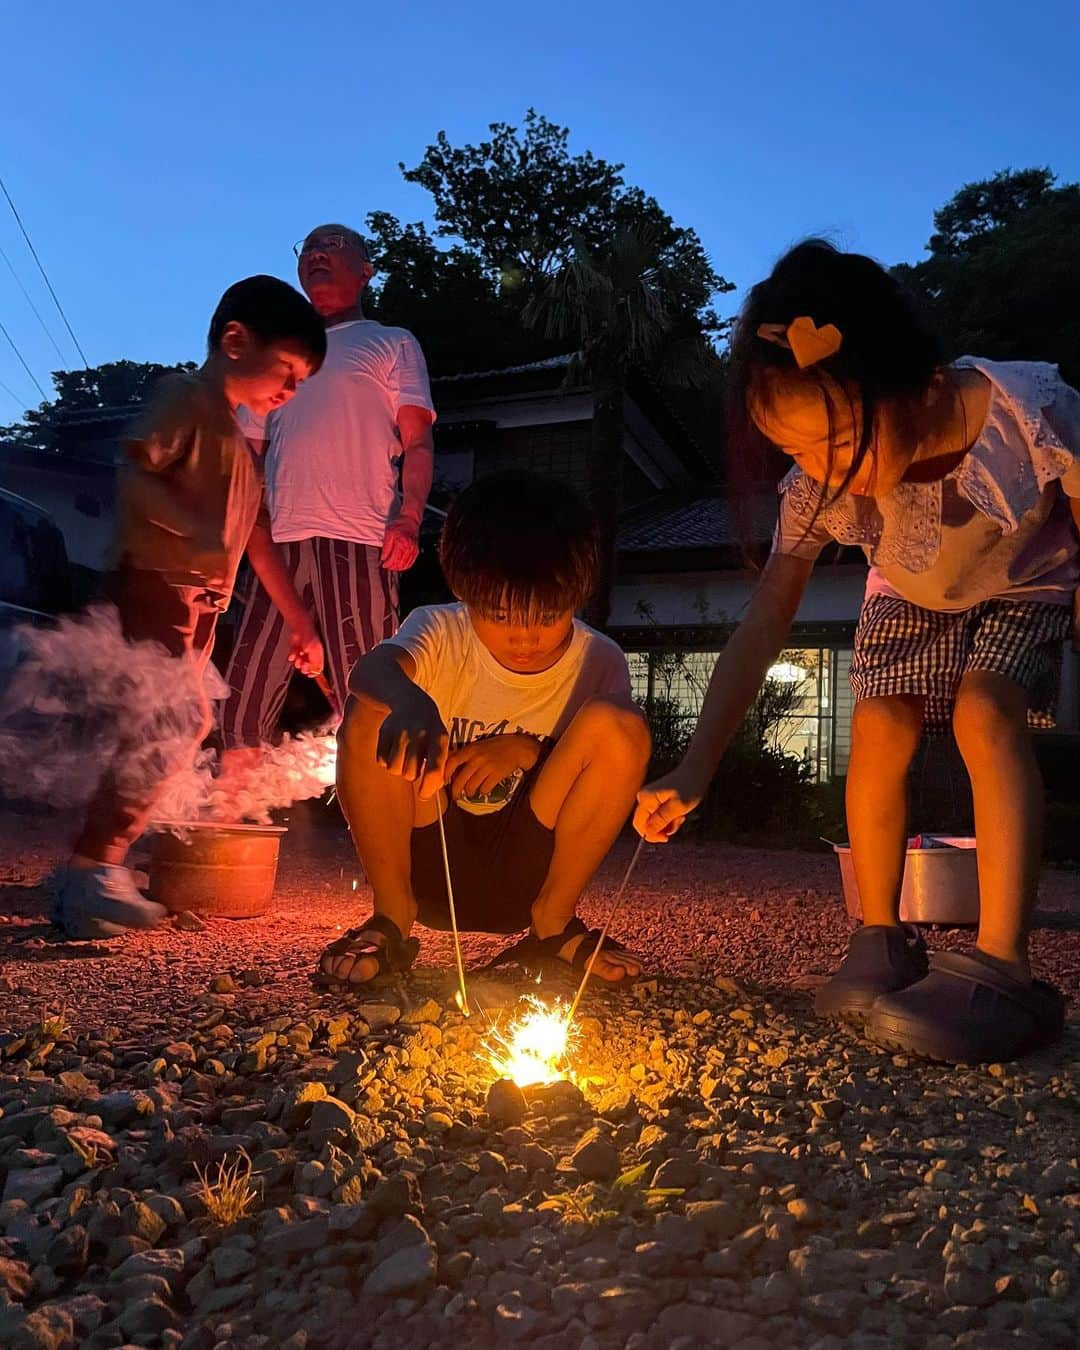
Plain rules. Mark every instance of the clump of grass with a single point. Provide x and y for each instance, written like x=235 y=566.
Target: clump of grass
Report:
x=583 y=1204
x=53 y=1026
x=591 y=1204
x=229 y=1196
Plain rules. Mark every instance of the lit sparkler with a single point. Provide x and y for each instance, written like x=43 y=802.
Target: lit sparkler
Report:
x=535 y=1047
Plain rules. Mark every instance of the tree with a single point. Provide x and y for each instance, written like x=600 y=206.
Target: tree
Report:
x=447 y=298
x=1002 y=279
x=979 y=208
x=584 y=263
x=116 y=384
x=525 y=207
x=511 y=212
x=618 y=306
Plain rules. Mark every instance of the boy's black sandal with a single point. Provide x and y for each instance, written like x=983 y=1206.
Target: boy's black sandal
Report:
x=394 y=956
x=540 y=956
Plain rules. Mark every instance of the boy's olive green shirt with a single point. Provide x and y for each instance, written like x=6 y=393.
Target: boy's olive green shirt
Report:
x=191 y=491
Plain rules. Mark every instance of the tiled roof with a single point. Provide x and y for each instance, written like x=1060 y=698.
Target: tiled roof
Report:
x=704 y=523
x=79 y=416
x=110 y=413
x=549 y=363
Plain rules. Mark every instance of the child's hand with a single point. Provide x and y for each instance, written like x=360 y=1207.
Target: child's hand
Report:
x=306 y=650
x=663 y=807
x=413 y=742
x=482 y=766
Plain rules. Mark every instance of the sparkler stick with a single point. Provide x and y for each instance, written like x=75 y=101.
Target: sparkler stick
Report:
x=453 y=913
x=324 y=688
x=603 y=932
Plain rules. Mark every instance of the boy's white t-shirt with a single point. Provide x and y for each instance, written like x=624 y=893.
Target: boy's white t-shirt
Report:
x=331 y=467
x=477 y=697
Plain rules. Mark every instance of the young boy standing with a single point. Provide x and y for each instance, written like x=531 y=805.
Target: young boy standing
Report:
x=509 y=715
x=190 y=504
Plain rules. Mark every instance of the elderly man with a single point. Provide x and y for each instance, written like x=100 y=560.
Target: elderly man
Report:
x=348 y=474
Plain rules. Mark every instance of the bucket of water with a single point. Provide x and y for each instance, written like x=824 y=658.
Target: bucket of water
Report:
x=941 y=881
x=224 y=870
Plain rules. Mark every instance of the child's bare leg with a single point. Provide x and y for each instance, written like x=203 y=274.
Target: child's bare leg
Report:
x=381 y=810
x=584 y=793
x=990 y=722
x=885 y=734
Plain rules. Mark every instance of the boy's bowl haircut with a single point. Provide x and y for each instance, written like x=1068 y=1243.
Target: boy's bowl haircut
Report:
x=519 y=543
x=272 y=311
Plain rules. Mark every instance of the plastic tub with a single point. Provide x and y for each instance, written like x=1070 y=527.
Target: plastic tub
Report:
x=941 y=885
x=225 y=870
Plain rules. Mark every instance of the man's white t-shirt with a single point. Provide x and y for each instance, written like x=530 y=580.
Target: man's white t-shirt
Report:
x=331 y=467
x=477 y=697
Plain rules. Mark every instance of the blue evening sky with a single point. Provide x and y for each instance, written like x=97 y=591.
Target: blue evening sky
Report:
x=157 y=153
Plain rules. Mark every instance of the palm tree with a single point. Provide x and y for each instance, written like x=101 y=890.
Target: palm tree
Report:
x=619 y=305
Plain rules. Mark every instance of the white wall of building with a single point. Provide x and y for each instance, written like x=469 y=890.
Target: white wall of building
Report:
x=65 y=492
x=690 y=598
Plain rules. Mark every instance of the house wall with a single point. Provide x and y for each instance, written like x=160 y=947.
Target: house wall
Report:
x=834 y=596
x=527 y=410
x=681 y=599
x=80 y=498
x=551 y=434
x=557 y=450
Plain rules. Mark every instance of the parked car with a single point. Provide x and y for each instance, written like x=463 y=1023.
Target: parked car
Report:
x=35 y=578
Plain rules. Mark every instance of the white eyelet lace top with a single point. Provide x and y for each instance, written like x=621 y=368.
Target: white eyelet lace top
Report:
x=998 y=526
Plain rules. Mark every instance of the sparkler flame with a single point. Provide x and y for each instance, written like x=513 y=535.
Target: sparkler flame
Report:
x=535 y=1047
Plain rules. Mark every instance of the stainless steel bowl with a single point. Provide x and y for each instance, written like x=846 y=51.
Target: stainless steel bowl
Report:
x=941 y=885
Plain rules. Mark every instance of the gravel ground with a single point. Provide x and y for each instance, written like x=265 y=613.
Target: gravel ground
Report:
x=726 y=1171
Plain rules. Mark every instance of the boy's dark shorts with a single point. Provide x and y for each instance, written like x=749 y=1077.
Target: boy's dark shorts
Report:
x=498 y=863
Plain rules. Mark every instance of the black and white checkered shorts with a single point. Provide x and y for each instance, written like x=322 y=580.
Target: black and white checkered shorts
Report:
x=903 y=649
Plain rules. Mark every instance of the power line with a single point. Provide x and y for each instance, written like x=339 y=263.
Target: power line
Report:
x=12 y=395
x=41 y=269
x=22 y=362
x=29 y=301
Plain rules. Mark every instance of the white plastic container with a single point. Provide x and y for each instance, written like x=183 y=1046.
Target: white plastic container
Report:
x=941 y=885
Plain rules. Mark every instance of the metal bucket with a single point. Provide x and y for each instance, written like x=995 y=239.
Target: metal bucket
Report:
x=941 y=885
x=226 y=870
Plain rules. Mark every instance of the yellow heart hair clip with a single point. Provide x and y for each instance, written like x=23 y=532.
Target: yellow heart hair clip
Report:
x=808 y=343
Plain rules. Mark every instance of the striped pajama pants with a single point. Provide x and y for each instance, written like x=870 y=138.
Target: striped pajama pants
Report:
x=355 y=603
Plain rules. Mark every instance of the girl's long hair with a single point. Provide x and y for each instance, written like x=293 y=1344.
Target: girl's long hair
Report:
x=888 y=354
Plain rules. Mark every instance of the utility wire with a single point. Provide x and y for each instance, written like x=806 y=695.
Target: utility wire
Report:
x=22 y=362
x=12 y=395
x=26 y=295
x=44 y=274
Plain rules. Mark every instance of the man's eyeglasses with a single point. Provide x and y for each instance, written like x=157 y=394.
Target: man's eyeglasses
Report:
x=324 y=243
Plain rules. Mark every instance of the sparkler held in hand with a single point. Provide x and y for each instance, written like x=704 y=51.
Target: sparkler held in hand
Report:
x=463 y=995
x=326 y=689
x=603 y=932
x=536 y=1047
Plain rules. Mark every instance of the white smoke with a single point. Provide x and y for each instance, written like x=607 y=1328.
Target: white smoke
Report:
x=83 y=702
x=299 y=767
